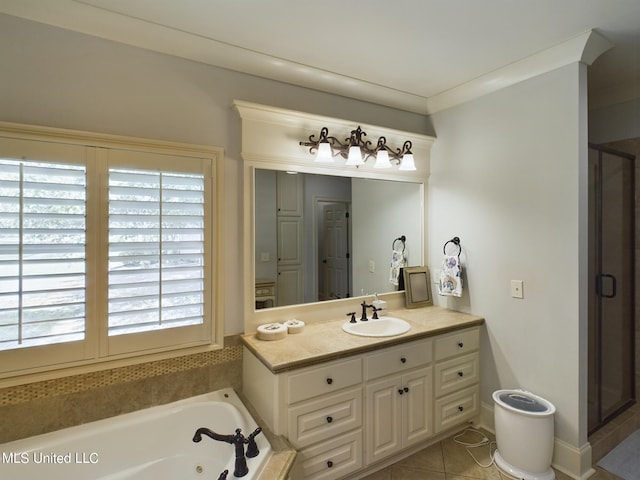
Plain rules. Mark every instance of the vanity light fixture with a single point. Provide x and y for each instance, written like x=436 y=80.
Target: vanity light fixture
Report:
x=356 y=150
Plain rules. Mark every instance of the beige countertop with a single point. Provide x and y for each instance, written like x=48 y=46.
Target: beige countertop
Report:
x=323 y=341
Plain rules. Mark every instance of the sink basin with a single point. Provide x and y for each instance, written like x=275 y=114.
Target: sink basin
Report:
x=381 y=327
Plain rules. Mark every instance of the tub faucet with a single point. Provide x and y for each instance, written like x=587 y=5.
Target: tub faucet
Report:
x=238 y=440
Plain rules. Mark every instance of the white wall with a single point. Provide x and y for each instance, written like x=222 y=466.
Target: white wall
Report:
x=64 y=79
x=506 y=177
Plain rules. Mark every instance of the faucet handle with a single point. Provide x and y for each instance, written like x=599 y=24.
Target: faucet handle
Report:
x=375 y=312
x=252 y=447
x=353 y=317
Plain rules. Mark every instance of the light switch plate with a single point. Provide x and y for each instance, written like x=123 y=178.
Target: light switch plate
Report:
x=516 y=289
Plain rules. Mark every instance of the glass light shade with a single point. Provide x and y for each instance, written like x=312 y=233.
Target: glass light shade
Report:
x=407 y=162
x=355 y=156
x=382 y=160
x=324 y=154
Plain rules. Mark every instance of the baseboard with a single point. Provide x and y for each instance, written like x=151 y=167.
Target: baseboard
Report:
x=572 y=461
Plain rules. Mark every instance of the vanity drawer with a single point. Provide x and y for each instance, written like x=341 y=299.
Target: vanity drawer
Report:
x=398 y=359
x=457 y=373
x=330 y=377
x=457 y=343
x=325 y=418
x=332 y=459
x=456 y=408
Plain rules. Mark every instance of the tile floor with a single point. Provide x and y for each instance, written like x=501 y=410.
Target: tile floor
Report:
x=448 y=460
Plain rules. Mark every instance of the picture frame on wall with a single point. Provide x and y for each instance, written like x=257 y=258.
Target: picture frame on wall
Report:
x=417 y=287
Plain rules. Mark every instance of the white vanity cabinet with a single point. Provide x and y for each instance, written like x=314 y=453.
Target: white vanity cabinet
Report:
x=457 y=376
x=346 y=414
x=318 y=408
x=399 y=399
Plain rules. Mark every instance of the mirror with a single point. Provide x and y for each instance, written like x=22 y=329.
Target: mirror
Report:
x=322 y=237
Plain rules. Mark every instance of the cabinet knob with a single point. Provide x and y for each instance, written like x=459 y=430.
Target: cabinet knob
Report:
x=460 y=408
x=403 y=359
x=329 y=464
x=461 y=374
x=329 y=381
x=329 y=419
x=400 y=391
x=406 y=389
x=460 y=344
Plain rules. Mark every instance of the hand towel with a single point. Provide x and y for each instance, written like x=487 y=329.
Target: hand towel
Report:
x=398 y=261
x=450 y=282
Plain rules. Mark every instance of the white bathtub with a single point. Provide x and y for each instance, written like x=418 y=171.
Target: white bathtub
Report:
x=151 y=444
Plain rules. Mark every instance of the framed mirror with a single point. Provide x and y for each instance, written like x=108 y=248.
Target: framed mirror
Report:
x=322 y=237
x=271 y=139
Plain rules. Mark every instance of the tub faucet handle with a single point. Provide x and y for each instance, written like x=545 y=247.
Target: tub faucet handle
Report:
x=223 y=475
x=252 y=447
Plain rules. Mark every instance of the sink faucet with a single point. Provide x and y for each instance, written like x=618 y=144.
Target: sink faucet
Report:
x=238 y=440
x=364 y=305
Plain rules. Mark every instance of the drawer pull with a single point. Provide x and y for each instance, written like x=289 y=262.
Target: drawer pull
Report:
x=461 y=374
x=403 y=359
x=329 y=381
x=460 y=408
x=329 y=464
x=460 y=344
x=329 y=419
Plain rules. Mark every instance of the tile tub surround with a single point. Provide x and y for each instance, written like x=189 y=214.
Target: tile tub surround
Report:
x=44 y=406
x=319 y=342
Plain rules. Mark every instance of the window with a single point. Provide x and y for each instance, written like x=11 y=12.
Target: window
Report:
x=42 y=253
x=105 y=252
x=156 y=250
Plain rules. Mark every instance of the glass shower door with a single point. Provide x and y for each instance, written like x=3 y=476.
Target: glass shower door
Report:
x=612 y=292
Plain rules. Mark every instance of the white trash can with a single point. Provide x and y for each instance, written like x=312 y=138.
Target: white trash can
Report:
x=524 y=434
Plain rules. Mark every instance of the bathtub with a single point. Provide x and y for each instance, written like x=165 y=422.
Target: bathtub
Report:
x=151 y=444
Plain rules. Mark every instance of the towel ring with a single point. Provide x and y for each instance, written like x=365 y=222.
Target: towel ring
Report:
x=402 y=239
x=456 y=242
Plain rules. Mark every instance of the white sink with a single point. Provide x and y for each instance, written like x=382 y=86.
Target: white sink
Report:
x=381 y=327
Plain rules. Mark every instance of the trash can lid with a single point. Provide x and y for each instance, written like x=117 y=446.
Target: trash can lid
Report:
x=524 y=401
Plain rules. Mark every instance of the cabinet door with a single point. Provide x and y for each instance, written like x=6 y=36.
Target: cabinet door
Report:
x=289 y=194
x=384 y=415
x=290 y=283
x=289 y=241
x=417 y=406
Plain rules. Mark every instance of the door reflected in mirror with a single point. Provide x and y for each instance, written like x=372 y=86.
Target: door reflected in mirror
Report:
x=321 y=237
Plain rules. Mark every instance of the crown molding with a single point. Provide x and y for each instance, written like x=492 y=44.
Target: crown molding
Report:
x=584 y=48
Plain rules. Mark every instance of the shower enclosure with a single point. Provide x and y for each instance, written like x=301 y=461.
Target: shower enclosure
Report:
x=612 y=284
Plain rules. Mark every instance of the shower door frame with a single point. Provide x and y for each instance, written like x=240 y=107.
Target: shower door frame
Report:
x=597 y=292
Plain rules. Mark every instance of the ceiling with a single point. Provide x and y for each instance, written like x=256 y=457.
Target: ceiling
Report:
x=402 y=54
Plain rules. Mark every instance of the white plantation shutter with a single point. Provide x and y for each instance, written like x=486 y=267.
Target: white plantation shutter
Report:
x=156 y=250
x=42 y=253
